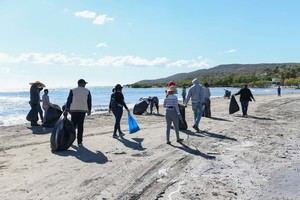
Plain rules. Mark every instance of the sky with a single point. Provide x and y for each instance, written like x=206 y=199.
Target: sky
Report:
x=111 y=41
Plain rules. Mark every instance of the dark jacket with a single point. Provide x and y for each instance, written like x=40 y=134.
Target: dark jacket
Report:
x=34 y=95
x=117 y=99
x=245 y=94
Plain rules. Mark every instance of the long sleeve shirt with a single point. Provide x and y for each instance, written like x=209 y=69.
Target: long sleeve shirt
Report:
x=79 y=100
x=46 y=101
x=117 y=99
x=171 y=101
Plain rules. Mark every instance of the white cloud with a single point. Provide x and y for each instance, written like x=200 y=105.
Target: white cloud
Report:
x=229 y=51
x=97 y=19
x=101 y=45
x=86 y=14
x=106 y=61
x=199 y=62
x=103 y=19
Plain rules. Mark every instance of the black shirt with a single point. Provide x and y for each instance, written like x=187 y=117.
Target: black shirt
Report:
x=245 y=94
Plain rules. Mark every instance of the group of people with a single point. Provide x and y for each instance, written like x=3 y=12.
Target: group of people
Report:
x=79 y=103
x=200 y=98
x=36 y=109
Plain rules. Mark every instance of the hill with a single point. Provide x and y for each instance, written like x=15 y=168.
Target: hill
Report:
x=259 y=75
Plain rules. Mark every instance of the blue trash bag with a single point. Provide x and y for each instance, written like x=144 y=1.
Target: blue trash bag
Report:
x=132 y=124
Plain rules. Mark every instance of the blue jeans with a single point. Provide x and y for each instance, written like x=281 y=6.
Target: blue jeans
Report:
x=197 y=109
x=244 y=107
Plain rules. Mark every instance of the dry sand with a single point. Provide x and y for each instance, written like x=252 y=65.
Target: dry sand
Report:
x=233 y=158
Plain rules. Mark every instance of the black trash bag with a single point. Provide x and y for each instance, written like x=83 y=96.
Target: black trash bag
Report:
x=32 y=117
x=140 y=108
x=182 y=123
x=63 y=135
x=52 y=115
x=233 y=105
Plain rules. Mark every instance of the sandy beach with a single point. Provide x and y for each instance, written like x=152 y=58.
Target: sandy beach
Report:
x=232 y=158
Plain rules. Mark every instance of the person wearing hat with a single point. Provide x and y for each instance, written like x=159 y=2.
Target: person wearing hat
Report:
x=35 y=99
x=116 y=106
x=196 y=94
x=78 y=104
x=172 y=112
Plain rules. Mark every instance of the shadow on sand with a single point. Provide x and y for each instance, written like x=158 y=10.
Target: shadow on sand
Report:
x=85 y=155
x=207 y=133
x=39 y=130
x=219 y=136
x=195 y=152
x=135 y=145
x=255 y=117
x=220 y=119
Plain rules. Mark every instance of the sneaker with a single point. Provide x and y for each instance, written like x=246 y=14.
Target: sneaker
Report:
x=169 y=143
x=180 y=140
x=121 y=134
x=115 y=136
x=196 y=128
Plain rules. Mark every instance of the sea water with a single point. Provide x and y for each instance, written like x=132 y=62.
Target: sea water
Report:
x=14 y=106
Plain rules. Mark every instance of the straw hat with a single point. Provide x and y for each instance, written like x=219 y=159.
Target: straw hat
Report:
x=38 y=83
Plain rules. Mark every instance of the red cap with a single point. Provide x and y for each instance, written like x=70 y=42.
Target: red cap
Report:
x=171 y=83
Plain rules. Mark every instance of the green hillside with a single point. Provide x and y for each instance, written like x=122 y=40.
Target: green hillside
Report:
x=256 y=75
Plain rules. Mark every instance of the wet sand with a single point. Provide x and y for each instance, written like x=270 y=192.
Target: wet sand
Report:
x=232 y=158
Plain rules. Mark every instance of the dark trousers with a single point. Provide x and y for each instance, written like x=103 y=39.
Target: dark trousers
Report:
x=78 y=120
x=34 y=114
x=118 y=112
x=152 y=105
x=40 y=111
x=207 y=112
x=244 y=107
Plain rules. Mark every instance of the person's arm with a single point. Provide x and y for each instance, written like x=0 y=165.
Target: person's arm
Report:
x=89 y=102
x=69 y=100
x=238 y=93
x=123 y=102
x=209 y=94
x=188 y=97
x=251 y=95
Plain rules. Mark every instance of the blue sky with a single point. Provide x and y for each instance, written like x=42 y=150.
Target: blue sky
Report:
x=108 y=42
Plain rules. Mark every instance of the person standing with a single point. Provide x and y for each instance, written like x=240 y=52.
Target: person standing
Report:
x=245 y=96
x=116 y=106
x=206 y=90
x=279 y=91
x=172 y=113
x=34 y=102
x=45 y=102
x=183 y=94
x=154 y=101
x=79 y=104
x=196 y=94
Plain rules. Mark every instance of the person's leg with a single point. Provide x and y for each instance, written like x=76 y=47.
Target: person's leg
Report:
x=74 y=119
x=157 y=107
x=208 y=108
x=175 y=119
x=116 y=121
x=194 y=108
x=151 y=107
x=34 y=117
x=80 y=125
x=119 y=120
x=244 y=107
x=40 y=112
x=199 y=110
x=168 y=121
